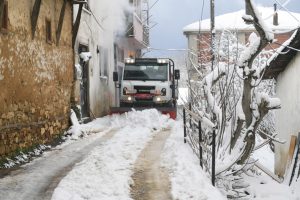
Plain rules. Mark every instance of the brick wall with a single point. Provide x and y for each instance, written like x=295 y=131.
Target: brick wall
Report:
x=204 y=39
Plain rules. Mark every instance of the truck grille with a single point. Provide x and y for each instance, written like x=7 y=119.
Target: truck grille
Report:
x=144 y=89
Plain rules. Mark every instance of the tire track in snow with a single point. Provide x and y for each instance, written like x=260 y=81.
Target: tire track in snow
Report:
x=151 y=181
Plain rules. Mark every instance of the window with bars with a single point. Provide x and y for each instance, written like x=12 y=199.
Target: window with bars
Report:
x=48 y=31
x=103 y=62
x=4 y=23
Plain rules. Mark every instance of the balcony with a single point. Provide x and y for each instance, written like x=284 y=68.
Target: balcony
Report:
x=137 y=31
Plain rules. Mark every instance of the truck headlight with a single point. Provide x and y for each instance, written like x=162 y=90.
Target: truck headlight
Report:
x=158 y=99
x=163 y=92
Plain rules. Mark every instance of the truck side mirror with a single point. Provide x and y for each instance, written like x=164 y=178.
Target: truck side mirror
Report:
x=115 y=76
x=177 y=74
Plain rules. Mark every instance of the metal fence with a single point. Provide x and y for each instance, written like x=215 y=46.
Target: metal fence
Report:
x=193 y=135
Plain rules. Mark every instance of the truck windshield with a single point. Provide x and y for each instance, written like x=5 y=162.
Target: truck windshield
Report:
x=150 y=72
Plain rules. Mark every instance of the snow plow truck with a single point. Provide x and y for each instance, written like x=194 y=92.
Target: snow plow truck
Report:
x=148 y=83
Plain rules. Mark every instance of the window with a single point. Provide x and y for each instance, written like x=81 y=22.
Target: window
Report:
x=120 y=54
x=48 y=31
x=150 y=72
x=103 y=62
x=4 y=24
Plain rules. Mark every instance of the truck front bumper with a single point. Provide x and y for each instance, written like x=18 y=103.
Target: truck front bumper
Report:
x=171 y=111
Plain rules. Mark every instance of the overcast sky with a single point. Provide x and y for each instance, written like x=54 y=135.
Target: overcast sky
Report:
x=172 y=15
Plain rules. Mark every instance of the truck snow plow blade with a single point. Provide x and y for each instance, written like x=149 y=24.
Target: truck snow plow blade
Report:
x=171 y=111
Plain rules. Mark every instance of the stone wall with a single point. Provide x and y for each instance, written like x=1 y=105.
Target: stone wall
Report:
x=35 y=76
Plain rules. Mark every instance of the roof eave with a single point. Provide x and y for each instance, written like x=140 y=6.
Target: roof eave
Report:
x=278 y=64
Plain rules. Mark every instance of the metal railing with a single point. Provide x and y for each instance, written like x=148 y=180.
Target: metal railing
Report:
x=193 y=135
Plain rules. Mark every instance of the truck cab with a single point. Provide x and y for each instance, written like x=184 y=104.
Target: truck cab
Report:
x=148 y=83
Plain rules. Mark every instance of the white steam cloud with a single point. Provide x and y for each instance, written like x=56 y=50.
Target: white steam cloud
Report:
x=113 y=14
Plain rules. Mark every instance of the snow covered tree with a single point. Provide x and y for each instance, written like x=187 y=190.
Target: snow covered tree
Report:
x=229 y=99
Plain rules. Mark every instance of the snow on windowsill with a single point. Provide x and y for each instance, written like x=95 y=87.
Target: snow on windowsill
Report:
x=104 y=78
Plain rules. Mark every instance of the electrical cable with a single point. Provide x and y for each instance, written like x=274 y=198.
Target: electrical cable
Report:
x=90 y=10
x=154 y=4
x=282 y=6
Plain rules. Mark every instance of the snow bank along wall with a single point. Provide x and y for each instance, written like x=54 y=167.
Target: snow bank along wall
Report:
x=35 y=75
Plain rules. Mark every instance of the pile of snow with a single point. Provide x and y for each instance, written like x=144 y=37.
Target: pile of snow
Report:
x=81 y=130
x=106 y=172
x=295 y=188
x=188 y=180
x=85 y=56
x=263 y=187
x=22 y=157
x=234 y=21
x=183 y=96
x=265 y=156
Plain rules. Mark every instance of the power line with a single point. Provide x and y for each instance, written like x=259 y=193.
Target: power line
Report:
x=94 y=17
x=282 y=6
x=154 y=4
x=160 y=49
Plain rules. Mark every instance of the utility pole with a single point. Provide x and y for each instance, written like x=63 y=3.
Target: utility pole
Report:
x=213 y=36
x=213 y=32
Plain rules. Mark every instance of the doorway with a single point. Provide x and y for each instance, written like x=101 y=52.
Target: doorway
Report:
x=84 y=83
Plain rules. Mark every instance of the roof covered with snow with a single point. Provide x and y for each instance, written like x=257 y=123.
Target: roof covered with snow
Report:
x=283 y=56
x=234 y=21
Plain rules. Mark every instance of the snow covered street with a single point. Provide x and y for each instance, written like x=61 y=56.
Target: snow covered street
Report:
x=138 y=155
x=38 y=179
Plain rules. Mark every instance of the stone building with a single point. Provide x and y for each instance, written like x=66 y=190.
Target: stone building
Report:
x=36 y=72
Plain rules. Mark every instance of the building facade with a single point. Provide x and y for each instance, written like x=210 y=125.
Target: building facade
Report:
x=36 y=72
x=285 y=68
x=110 y=31
x=199 y=37
x=93 y=84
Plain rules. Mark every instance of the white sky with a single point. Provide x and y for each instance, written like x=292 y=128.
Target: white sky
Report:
x=172 y=15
